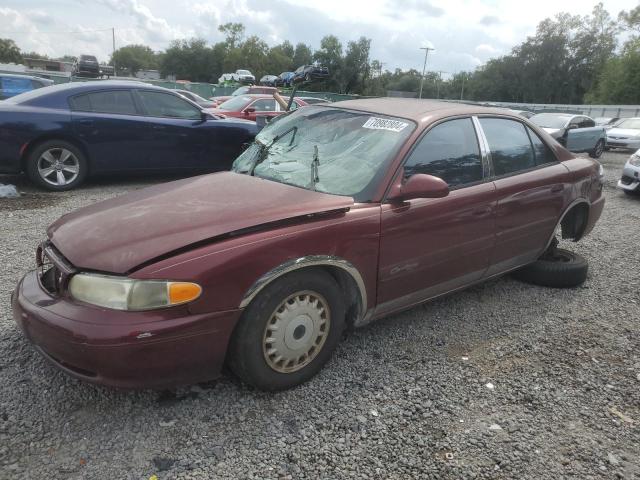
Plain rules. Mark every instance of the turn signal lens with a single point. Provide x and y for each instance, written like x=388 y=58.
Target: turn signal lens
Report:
x=122 y=293
x=182 y=292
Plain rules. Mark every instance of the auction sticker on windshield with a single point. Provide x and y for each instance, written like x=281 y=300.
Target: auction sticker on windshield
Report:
x=376 y=123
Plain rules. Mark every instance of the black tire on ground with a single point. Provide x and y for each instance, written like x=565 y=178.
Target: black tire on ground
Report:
x=597 y=151
x=248 y=348
x=56 y=147
x=565 y=270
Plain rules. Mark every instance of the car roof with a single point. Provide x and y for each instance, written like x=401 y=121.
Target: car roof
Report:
x=419 y=111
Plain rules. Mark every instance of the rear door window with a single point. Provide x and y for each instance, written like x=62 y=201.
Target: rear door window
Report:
x=511 y=149
x=114 y=101
x=264 y=105
x=449 y=151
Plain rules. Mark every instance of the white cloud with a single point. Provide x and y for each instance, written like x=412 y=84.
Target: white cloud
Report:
x=465 y=33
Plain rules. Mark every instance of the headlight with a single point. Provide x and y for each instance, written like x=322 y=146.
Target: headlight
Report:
x=635 y=160
x=121 y=293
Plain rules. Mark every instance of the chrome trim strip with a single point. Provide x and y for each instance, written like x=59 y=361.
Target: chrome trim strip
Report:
x=484 y=148
x=303 y=262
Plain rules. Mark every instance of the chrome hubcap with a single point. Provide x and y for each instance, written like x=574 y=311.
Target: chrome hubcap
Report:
x=296 y=332
x=58 y=166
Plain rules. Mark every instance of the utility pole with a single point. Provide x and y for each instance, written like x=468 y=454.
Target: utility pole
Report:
x=439 y=80
x=113 y=38
x=424 y=67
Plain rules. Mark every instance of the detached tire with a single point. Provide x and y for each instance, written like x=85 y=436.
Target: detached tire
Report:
x=57 y=165
x=289 y=331
x=564 y=270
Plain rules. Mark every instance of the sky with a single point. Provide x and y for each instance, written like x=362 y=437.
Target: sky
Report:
x=464 y=33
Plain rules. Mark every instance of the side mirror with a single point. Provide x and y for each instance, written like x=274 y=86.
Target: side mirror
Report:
x=420 y=185
x=249 y=110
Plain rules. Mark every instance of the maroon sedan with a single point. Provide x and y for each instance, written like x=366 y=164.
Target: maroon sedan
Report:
x=249 y=107
x=337 y=215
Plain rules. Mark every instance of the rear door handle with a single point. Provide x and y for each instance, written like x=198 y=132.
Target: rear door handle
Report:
x=159 y=127
x=85 y=122
x=557 y=188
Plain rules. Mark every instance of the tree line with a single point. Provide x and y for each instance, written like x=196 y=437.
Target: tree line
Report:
x=570 y=59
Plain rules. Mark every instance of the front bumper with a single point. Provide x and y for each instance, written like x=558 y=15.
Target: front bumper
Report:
x=628 y=143
x=630 y=180
x=122 y=349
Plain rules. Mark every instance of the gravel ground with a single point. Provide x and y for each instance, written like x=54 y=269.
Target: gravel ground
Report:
x=504 y=380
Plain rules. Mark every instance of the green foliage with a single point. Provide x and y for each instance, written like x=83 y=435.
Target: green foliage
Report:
x=133 y=58
x=9 y=51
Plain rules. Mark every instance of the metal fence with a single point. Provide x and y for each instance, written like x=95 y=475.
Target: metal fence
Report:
x=621 y=111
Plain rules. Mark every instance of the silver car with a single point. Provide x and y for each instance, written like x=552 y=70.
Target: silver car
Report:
x=625 y=134
x=630 y=181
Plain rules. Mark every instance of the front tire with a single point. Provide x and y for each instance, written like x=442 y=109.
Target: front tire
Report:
x=597 y=151
x=57 y=165
x=289 y=331
x=558 y=269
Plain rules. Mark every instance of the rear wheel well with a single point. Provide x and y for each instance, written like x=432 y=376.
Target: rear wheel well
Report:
x=575 y=221
x=35 y=143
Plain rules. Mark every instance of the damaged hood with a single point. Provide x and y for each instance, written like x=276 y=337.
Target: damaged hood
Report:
x=119 y=234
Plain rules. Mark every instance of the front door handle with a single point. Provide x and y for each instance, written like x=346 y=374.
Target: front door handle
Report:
x=159 y=127
x=557 y=188
x=85 y=122
x=481 y=211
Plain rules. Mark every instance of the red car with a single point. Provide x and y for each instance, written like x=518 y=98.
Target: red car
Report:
x=246 y=90
x=337 y=215
x=250 y=107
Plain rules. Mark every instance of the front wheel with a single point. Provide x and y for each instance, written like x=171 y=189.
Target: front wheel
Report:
x=289 y=331
x=597 y=151
x=57 y=165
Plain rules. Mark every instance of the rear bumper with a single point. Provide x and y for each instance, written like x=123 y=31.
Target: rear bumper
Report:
x=594 y=214
x=130 y=351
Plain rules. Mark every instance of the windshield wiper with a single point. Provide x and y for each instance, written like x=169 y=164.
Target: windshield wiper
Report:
x=315 y=163
x=264 y=148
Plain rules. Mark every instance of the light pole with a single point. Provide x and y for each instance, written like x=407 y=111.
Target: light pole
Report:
x=424 y=67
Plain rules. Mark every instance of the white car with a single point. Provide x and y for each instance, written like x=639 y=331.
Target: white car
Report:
x=630 y=181
x=240 y=76
x=625 y=134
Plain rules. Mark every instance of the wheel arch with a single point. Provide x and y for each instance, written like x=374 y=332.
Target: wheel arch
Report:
x=344 y=273
x=53 y=136
x=573 y=221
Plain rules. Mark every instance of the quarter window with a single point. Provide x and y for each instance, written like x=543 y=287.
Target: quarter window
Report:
x=510 y=146
x=543 y=153
x=449 y=151
x=115 y=101
x=159 y=104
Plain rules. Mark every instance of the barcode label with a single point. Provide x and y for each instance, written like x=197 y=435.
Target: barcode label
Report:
x=376 y=123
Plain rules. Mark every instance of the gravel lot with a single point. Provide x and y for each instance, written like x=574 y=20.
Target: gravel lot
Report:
x=504 y=380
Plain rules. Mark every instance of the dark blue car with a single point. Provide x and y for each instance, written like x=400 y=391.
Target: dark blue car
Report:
x=12 y=85
x=63 y=133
